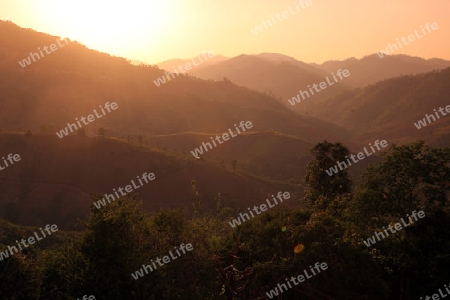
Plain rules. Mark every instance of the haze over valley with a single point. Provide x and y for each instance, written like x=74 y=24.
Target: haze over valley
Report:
x=285 y=159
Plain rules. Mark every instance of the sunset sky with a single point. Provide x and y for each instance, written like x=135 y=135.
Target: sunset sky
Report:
x=153 y=31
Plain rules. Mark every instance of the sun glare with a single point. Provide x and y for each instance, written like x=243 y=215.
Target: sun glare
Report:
x=108 y=25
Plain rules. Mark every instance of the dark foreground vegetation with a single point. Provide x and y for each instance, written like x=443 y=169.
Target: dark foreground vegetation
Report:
x=247 y=261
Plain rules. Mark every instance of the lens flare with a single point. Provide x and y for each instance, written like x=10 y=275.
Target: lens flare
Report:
x=283 y=228
x=299 y=248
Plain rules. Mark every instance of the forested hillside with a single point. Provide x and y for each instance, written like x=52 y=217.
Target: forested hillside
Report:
x=107 y=258
x=391 y=107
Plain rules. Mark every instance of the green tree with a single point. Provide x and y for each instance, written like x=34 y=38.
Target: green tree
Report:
x=410 y=178
x=63 y=270
x=323 y=188
x=116 y=242
x=17 y=277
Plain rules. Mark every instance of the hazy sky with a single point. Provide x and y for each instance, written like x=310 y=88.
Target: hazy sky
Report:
x=154 y=31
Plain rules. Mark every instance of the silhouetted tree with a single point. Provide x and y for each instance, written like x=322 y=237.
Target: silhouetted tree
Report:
x=410 y=178
x=323 y=188
x=116 y=242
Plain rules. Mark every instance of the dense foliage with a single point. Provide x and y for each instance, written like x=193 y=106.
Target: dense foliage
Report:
x=247 y=261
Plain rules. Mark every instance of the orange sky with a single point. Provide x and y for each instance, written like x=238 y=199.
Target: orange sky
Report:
x=153 y=31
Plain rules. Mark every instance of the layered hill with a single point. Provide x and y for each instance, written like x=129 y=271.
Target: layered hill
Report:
x=55 y=180
x=198 y=62
x=270 y=154
x=47 y=94
x=389 y=109
x=372 y=68
x=280 y=75
x=284 y=76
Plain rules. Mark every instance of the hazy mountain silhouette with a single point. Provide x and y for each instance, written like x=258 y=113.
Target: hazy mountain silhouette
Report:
x=183 y=113
x=73 y=81
x=372 y=68
x=170 y=64
x=183 y=104
x=206 y=198
x=279 y=75
x=389 y=109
